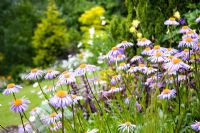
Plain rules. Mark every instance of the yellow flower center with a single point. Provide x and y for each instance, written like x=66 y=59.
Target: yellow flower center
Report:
x=158 y=54
x=156 y=47
x=18 y=102
x=53 y=114
x=184 y=27
x=61 y=94
x=34 y=70
x=169 y=49
x=82 y=66
x=112 y=88
x=122 y=64
x=143 y=39
x=66 y=75
x=124 y=41
x=166 y=91
x=74 y=96
x=114 y=48
x=172 y=19
x=49 y=87
x=175 y=61
x=188 y=39
x=198 y=44
x=11 y=85
x=141 y=65
x=128 y=123
x=147 y=49
x=190 y=32
x=49 y=71
x=186 y=50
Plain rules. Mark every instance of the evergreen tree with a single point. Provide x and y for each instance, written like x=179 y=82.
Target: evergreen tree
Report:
x=50 y=37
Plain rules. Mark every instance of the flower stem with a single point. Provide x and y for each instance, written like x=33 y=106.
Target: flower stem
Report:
x=21 y=116
x=62 y=109
x=74 y=118
x=3 y=128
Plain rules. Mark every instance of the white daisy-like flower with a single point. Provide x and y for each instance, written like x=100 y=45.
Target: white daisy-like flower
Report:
x=83 y=68
x=52 y=118
x=151 y=70
x=127 y=127
x=196 y=126
x=146 y=51
x=51 y=74
x=156 y=49
x=184 y=29
x=167 y=94
x=175 y=64
x=158 y=57
x=50 y=89
x=123 y=66
x=136 y=58
x=100 y=82
x=171 y=21
x=35 y=74
x=67 y=78
x=11 y=88
x=170 y=51
x=140 y=68
x=143 y=42
x=124 y=44
x=188 y=42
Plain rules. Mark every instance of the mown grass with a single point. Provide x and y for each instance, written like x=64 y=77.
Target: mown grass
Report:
x=8 y=117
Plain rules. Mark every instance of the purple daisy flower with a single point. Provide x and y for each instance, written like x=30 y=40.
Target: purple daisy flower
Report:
x=115 y=79
x=171 y=21
x=27 y=126
x=167 y=94
x=143 y=42
x=61 y=99
x=196 y=47
x=11 y=88
x=19 y=105
x=83 y=68
x=67 y=78
x=35 y=74
x=51 y=74
x=114 y=52
x=136 y=58
x=184 y=29
x=187 y=42
x=52 y=118
x=124 y=44
x=196 y=126
x=123 y=66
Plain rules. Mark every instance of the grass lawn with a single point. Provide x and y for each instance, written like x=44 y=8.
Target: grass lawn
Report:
x=7 y=117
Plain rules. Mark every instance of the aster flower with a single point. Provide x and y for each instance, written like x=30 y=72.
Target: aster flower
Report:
x=171 y=21
x=175 y=64
x=115 y=79
x=35 y=74
x=35 y=111
x=196 y=47
x=27 y=127
x=140 y=68
x=56 y=126
x=61 y=99
x=167 y=94
x=184 y=29
x=120 y=57
x=92 y=131
x=146 y=51
x=19 y=105
x=83 y=68
x=114 y=52
x=191 y=34
x=11 y=88
x=76 y=98
x=51 y=74
x=151 y=70
x=170 y=51
x=52 y=118
x=114 y=89
x=67 y=78
x=126 y=127
x=185 y=54
x=124 y=44
x=158 y=57
x=136 y=58
x=196 y=126
x=156 y=49
x=143 y=42
x=100 y=82
x=50 y=89
x=187 y=42
x=198 y=20
x=123 y=66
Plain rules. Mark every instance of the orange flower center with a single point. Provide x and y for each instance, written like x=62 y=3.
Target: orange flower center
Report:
x=53 y=114
x=175 y=61
x=61 y=94
x=66 y=75
x=171 y=18
x=186 y=50
x=189 y=39
x=11 y=85
x=49 y=71
x=184 y=27
x=166 y=91
x=82 y=66
x=34 y=70
x=143 y=39
x=141 y=65
x=157 y=47
x=18 y=102
x=158 y=54
x=198 y=44
x=114 y=48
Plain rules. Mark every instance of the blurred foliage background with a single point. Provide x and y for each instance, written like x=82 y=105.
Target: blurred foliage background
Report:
x=36 y=33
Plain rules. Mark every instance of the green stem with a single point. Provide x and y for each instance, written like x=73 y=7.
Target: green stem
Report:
x=21 y=116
